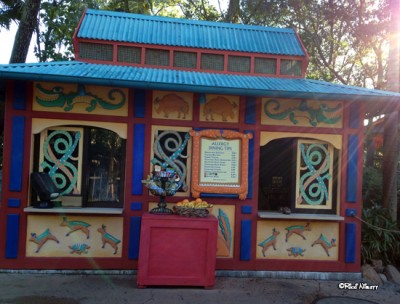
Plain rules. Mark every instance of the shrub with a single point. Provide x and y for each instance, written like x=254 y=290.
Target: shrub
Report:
x=380 y=237
x=372 y=186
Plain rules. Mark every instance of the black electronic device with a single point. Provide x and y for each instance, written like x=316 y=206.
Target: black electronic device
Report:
x=45 y=189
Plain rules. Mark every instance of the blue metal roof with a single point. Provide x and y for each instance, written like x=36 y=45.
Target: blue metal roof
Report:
x=192 y=81
x=134 y=28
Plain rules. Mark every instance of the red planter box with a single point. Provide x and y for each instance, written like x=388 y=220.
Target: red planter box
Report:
x=176 y=250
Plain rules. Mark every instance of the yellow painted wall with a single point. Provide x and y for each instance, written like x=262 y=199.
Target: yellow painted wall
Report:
x=59 y=244
x=283 y=251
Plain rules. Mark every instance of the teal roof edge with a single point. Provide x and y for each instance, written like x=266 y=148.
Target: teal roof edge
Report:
x=190 y=81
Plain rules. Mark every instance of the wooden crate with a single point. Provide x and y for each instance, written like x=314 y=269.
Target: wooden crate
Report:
x=177 y=251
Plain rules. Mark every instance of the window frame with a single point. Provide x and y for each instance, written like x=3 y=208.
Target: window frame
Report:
x=335 y=142
x=83 y=179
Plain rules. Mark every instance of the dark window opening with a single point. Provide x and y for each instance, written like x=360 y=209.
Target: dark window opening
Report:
x=85 y=163
x=299 y=174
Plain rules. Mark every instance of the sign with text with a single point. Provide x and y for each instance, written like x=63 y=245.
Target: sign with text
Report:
x=220 y=162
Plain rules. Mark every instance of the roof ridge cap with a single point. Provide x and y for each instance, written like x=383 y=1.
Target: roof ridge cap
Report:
x=166 y=19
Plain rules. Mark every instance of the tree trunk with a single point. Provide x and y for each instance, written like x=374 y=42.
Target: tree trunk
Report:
x=390 y=160
x=25 y=31
x=233 y=12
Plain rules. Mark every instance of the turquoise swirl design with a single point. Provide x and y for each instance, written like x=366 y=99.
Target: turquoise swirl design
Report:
x=312 y=183
x=62 y=171
x=175 y=145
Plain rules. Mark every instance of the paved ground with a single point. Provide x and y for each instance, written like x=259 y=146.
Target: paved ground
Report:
x=99 y=289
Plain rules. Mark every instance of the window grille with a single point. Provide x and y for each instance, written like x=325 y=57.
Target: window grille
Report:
x=157 y=57
x=96 y=51
x=129 y=54
x=265 y=65
x=291 y=67
x=239 y=64
x=212 y=62
x=185 y=60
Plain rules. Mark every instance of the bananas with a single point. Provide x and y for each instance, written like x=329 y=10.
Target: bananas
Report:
x=198 y=203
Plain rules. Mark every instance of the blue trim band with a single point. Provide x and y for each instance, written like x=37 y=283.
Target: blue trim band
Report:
x=218 y=195
x=354 y=116
x=250 y=112
x=134 y=237
x=245 y=240
x=12 y=236
x=138 y=158
x=139 y=103
x=13 y=203
x=247 y=209
x=19 y=96
x=251 y=166
x=352 y=172
x=136 y=206
x=350 y=255
x=17 y=153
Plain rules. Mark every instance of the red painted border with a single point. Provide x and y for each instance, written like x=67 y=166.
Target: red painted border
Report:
x=23 y=262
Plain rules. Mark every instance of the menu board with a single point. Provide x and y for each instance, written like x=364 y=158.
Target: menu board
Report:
x=219 y=161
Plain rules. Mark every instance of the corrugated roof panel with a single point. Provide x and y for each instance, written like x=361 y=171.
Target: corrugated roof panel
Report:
x=134 y=28
x=151 y=78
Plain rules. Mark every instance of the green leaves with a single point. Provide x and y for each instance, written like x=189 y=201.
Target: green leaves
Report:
x=380 y=236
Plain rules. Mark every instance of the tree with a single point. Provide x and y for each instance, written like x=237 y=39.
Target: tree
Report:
x=58 y=20
x=10 y=10
x=28 y=21
x=347 y=40
x=30 y=10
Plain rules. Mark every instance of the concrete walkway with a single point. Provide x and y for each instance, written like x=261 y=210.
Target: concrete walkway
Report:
x=99 y=289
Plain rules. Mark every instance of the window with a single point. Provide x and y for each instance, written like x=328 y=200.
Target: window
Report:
x=291 y=67
x=300 y=174
x=129 y=54
x=85 y=163
x=212 y=62
x=170 y=148
x=264 y=66
x=185 y=60
x=239 y=64
x=157 y=57
x=96 y=51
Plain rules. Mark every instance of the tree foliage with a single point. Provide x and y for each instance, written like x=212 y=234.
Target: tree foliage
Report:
x=10 y=11
x=347 y=40
x=58 y=20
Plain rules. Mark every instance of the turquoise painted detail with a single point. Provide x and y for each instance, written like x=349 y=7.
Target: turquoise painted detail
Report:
x=60 y=169
x=175 y=145
x=225 y=227
x=314 y=116
x=313 y=190
x=56 y=97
